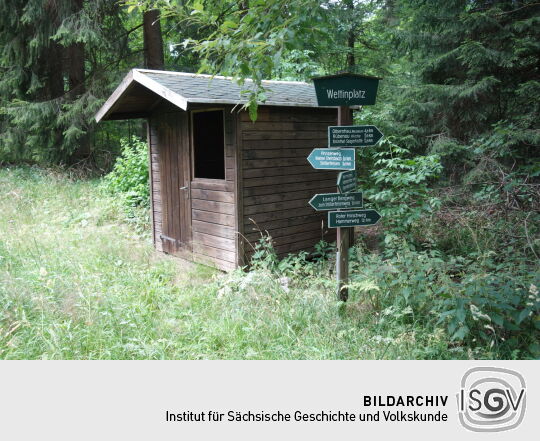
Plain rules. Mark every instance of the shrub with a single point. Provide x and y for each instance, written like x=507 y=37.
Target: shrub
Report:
x=130 y=173
x=479 y=300
x=397 y=185
x=495 y=303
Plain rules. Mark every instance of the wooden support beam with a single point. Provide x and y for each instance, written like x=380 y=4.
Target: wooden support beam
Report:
x=343 y=239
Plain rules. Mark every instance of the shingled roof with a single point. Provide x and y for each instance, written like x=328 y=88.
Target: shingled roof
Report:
x=142 y=89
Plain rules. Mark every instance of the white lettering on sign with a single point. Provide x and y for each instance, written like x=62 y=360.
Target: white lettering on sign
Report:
x=348 y=94
x=345 y=199
x=333 y=158
x=353 y=136
x=349 y=218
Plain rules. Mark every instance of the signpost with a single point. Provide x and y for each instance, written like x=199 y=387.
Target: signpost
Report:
x=353 y=136
x=344 y=90
x=353 y=218
x=344 y=236
x=336 y=201
x=346 y=181
x=332 y=159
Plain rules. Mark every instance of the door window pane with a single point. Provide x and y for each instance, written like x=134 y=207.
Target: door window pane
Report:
x=209 y=144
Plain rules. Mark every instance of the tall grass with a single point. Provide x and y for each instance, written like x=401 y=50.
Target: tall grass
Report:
x=77 y=282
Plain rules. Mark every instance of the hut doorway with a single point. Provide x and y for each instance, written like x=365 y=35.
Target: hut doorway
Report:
x=175 y=177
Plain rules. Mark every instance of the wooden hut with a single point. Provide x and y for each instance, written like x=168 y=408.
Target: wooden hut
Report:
x=216 y=177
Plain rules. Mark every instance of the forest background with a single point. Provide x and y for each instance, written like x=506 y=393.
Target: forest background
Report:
x=456 y=178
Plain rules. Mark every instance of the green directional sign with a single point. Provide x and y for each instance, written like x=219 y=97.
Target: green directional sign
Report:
x=346 y=181
x=353 y=218
x=336 y=201
x=332 y=159
x=346 y=89
x=353 y=136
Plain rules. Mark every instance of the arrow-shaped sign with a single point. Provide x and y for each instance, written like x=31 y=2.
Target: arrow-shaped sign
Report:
x=353 y=218
x=332 y=159
x=353 y=136
x=346 y=181
x=336 y=201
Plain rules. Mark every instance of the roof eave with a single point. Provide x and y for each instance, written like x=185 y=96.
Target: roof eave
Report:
x=135 y=76
x=243 y=102
x=160 y=90
x=106 y=107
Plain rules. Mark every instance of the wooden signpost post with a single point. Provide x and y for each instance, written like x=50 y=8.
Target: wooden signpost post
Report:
x=344 y=90
x=344 y=235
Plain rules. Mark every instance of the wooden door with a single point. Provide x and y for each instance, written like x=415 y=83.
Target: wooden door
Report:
x=173 y=140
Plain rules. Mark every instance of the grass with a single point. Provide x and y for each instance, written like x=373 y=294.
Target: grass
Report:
x=78 y=282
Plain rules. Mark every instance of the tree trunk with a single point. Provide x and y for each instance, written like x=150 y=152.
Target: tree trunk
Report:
x=76 y=61
x=76 y=80
x=153 y=40
x=55 y=77
x=351 y=62
x=389 y=13
x=76 y=70
x=351 y=40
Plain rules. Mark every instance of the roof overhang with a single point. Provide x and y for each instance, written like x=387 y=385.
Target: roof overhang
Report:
x=130 y=100
x=142 y=90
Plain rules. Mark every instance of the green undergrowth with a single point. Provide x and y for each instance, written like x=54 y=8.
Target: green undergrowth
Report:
x=78 y=282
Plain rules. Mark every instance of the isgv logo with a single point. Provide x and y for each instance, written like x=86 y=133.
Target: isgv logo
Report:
x=491 y=399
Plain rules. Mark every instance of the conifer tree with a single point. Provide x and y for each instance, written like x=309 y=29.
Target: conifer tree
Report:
x=58 y=60
x=478 y=79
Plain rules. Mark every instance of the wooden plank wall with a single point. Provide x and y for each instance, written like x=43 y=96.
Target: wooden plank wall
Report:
x=214 y=216
x=155 y=185
x=272 y=187
x=278 y=181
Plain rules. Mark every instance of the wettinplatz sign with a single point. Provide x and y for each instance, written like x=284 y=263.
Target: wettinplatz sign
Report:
x=346 y=89
x=353 y=136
